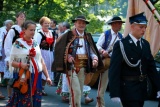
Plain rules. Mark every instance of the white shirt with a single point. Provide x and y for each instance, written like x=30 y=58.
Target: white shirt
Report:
x=8 y=40
x=135 y=40
x=101 y=40
x=2 y=34
x=82 y=50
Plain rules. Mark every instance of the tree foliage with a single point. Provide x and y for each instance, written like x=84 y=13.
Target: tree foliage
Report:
x=60 y=10
x=157 y=6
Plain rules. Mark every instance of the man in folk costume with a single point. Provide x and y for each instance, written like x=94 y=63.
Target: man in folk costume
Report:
x=3 y=71
x=105 y=45
x=3 y=34
x=76 y=54
x=131 y=64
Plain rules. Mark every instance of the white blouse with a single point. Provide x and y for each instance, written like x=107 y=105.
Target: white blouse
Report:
x=9 y=39
x=3 y=32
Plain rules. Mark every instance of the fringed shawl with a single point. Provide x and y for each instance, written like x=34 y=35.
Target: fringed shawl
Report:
x=20 y=51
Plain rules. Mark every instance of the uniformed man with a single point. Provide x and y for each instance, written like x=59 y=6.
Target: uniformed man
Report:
x=105 y=45
x=131 y=64
x=76 y=54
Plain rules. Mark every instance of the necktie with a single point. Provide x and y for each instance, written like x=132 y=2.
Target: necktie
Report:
x=139 y=47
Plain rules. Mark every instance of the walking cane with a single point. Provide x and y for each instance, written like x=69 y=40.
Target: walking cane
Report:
x=70 y=80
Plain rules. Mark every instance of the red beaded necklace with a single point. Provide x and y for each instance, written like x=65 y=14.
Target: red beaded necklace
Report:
x=29 y=42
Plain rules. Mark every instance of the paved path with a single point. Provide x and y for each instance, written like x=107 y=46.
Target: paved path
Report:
x=53 y=100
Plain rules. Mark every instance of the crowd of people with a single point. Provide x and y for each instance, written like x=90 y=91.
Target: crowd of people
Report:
x=63 y=56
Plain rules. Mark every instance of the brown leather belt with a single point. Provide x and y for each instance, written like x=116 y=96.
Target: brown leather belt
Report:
x=81 y=60
x=135 y=78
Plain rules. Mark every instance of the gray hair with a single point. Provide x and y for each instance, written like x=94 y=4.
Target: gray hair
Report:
x=66 y=24
x=7 y=21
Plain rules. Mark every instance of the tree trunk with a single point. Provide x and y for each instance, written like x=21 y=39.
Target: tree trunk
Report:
x=1 y=5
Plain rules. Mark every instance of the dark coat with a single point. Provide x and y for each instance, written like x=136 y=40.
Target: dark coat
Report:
x=60 y=63
x=131 y=90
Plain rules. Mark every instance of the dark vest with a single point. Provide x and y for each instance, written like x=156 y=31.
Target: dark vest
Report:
x=16 y=35
x=47 y=46
x=108 y=38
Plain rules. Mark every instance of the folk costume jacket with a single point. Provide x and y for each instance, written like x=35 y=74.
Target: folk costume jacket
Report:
x=126 y=89
x=62 y=47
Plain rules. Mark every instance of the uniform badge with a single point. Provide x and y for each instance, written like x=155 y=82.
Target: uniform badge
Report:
x=130 y=41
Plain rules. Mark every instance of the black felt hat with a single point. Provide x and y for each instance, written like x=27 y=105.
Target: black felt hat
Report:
x=115 y=19
x=80 y=18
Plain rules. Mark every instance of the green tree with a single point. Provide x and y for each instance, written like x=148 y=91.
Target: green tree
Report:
x=60 y=10
x=157 y=6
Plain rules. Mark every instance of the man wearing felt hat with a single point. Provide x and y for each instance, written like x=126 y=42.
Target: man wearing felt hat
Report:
x=76 y=54
x=105 y=45
x=131 y=64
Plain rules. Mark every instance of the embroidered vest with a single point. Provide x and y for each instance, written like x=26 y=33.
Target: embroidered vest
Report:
x=47 y=47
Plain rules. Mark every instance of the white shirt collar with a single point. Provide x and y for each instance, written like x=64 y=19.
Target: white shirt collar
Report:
x=80 y=33
x=134 y=39
x=113 y=33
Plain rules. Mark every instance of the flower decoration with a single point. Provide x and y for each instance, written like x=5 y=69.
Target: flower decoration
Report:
x=49 y=40
x=32 y=52
x=21 y=34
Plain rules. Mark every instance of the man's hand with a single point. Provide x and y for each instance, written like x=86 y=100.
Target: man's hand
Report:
x=95 y=63
x=71 y=59
x=158 y=94
x=105 y=54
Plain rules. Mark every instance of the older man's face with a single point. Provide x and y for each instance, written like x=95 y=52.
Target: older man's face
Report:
x=117 y=25
x=80 y=25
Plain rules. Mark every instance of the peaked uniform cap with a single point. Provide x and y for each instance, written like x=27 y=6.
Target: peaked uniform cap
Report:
x=138 y=18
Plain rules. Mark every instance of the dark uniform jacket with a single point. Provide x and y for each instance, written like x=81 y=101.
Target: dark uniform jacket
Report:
x=126 y=89
x=60 y=63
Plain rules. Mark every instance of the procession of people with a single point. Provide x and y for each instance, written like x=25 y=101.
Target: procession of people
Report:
x=63 y=56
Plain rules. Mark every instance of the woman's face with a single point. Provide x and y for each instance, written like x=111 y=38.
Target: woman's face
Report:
x=29 y=32
x=45 y=24
x=21 y=18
